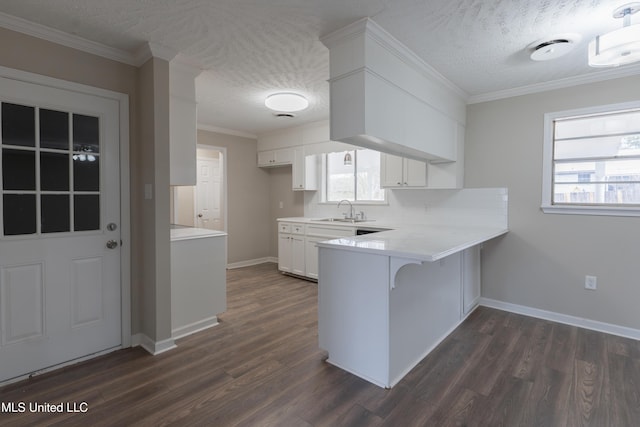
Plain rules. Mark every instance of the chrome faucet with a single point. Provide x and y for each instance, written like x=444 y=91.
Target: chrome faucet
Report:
x=350 y=209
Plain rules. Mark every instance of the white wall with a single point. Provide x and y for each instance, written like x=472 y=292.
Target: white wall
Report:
x=542 y=261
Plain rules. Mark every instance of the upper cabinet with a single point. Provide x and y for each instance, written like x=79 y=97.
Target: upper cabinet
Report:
x=183 y=123
x=305 y=171
x=399 y=172
x=385 y=98
x=271 y=158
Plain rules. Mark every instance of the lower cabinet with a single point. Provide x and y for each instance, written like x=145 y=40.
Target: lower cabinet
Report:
x=291 y=248
x=311 y=255
x=297 y=250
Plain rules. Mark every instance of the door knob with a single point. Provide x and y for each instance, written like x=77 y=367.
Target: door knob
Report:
x=112 y=244
x=199 y=215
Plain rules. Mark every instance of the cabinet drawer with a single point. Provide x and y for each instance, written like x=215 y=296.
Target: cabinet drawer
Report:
x=332 y=232
x=284 y=227
x=297 y=228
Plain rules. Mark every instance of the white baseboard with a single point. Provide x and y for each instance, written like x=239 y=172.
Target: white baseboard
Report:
x=194 y=327
x=153 y=347
x=580 y=322
x=251 y=262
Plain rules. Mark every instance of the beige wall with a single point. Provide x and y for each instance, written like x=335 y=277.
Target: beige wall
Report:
x=247 y=197
x=542 y=261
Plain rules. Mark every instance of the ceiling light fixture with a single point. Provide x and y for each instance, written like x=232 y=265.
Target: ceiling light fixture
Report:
x=551 y=49
x=618 y=47
x=286 y=102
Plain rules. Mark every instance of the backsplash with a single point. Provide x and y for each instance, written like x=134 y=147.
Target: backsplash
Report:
x=469 y=206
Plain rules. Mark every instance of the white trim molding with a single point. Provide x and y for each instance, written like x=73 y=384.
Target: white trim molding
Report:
x=594 y=325
x=23 y=26
x=251 y=262
x=151 y=346
x=593 y=77
x=194 y=327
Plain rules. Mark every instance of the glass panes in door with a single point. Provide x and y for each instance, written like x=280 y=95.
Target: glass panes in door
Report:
x=50 y=171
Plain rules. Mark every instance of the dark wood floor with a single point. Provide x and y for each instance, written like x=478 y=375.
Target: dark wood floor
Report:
x=261 y=367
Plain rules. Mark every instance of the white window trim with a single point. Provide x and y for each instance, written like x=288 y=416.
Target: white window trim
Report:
x=547 y=166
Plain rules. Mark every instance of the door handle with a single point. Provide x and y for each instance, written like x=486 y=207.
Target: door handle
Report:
x=112 y=244
x=199 y=215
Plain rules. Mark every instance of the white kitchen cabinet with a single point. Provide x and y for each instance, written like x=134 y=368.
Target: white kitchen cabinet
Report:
x=297 y=251
x=298 y=262
x=272 y=158
x=291 y=248
x=285 y=253
x=311 y=256
x=399 y=172
x=304 y=171
x=182 y=124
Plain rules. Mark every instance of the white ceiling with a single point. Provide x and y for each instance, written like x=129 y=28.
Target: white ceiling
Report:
x=250 y=48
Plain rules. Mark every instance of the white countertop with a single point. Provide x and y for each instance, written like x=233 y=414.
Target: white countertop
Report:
x=194 y=233
x=420 y=242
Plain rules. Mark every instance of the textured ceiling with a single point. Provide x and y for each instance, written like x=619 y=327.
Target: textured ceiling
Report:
x=250 y=48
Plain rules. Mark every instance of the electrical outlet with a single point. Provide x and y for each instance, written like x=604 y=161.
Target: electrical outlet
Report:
x=590 y=282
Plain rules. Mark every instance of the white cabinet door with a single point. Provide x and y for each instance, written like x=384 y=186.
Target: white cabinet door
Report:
x=270 y=158
x=415 y=173
x=391 y=171
x=297 y=255
x=304 y=171
x=284 y=252
x=398 y=172
x=311 y=256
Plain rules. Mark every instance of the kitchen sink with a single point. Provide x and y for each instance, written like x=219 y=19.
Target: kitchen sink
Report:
x=349 y=220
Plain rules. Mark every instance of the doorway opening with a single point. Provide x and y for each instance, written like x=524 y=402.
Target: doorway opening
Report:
x=204 y=205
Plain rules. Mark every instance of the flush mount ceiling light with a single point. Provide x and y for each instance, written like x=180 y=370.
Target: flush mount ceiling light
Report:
x=618 y=47
x=551 y=49
x=286 y=102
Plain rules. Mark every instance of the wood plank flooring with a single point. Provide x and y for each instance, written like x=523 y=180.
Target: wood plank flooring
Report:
x=262 y=367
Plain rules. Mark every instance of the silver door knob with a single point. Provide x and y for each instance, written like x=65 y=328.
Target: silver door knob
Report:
x=112 y=244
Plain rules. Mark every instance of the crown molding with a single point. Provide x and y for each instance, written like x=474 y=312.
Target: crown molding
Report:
x=33 y=29
x=142 y=55
x=225 y=131
x=596 y=77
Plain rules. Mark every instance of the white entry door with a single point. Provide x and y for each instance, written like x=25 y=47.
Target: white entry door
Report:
x=60 y=289
x=208 y=194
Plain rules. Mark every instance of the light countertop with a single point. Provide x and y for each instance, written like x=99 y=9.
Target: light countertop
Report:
x=187 y=233
x=414 y=241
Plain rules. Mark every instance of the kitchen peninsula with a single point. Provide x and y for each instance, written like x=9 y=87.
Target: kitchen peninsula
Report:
x=385 y=300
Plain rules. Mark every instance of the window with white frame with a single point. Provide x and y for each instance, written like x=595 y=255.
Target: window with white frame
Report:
x=353 y=175
x=592 y=161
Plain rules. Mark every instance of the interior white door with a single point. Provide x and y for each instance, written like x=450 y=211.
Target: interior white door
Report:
x=60 y=288
x=208 y=194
